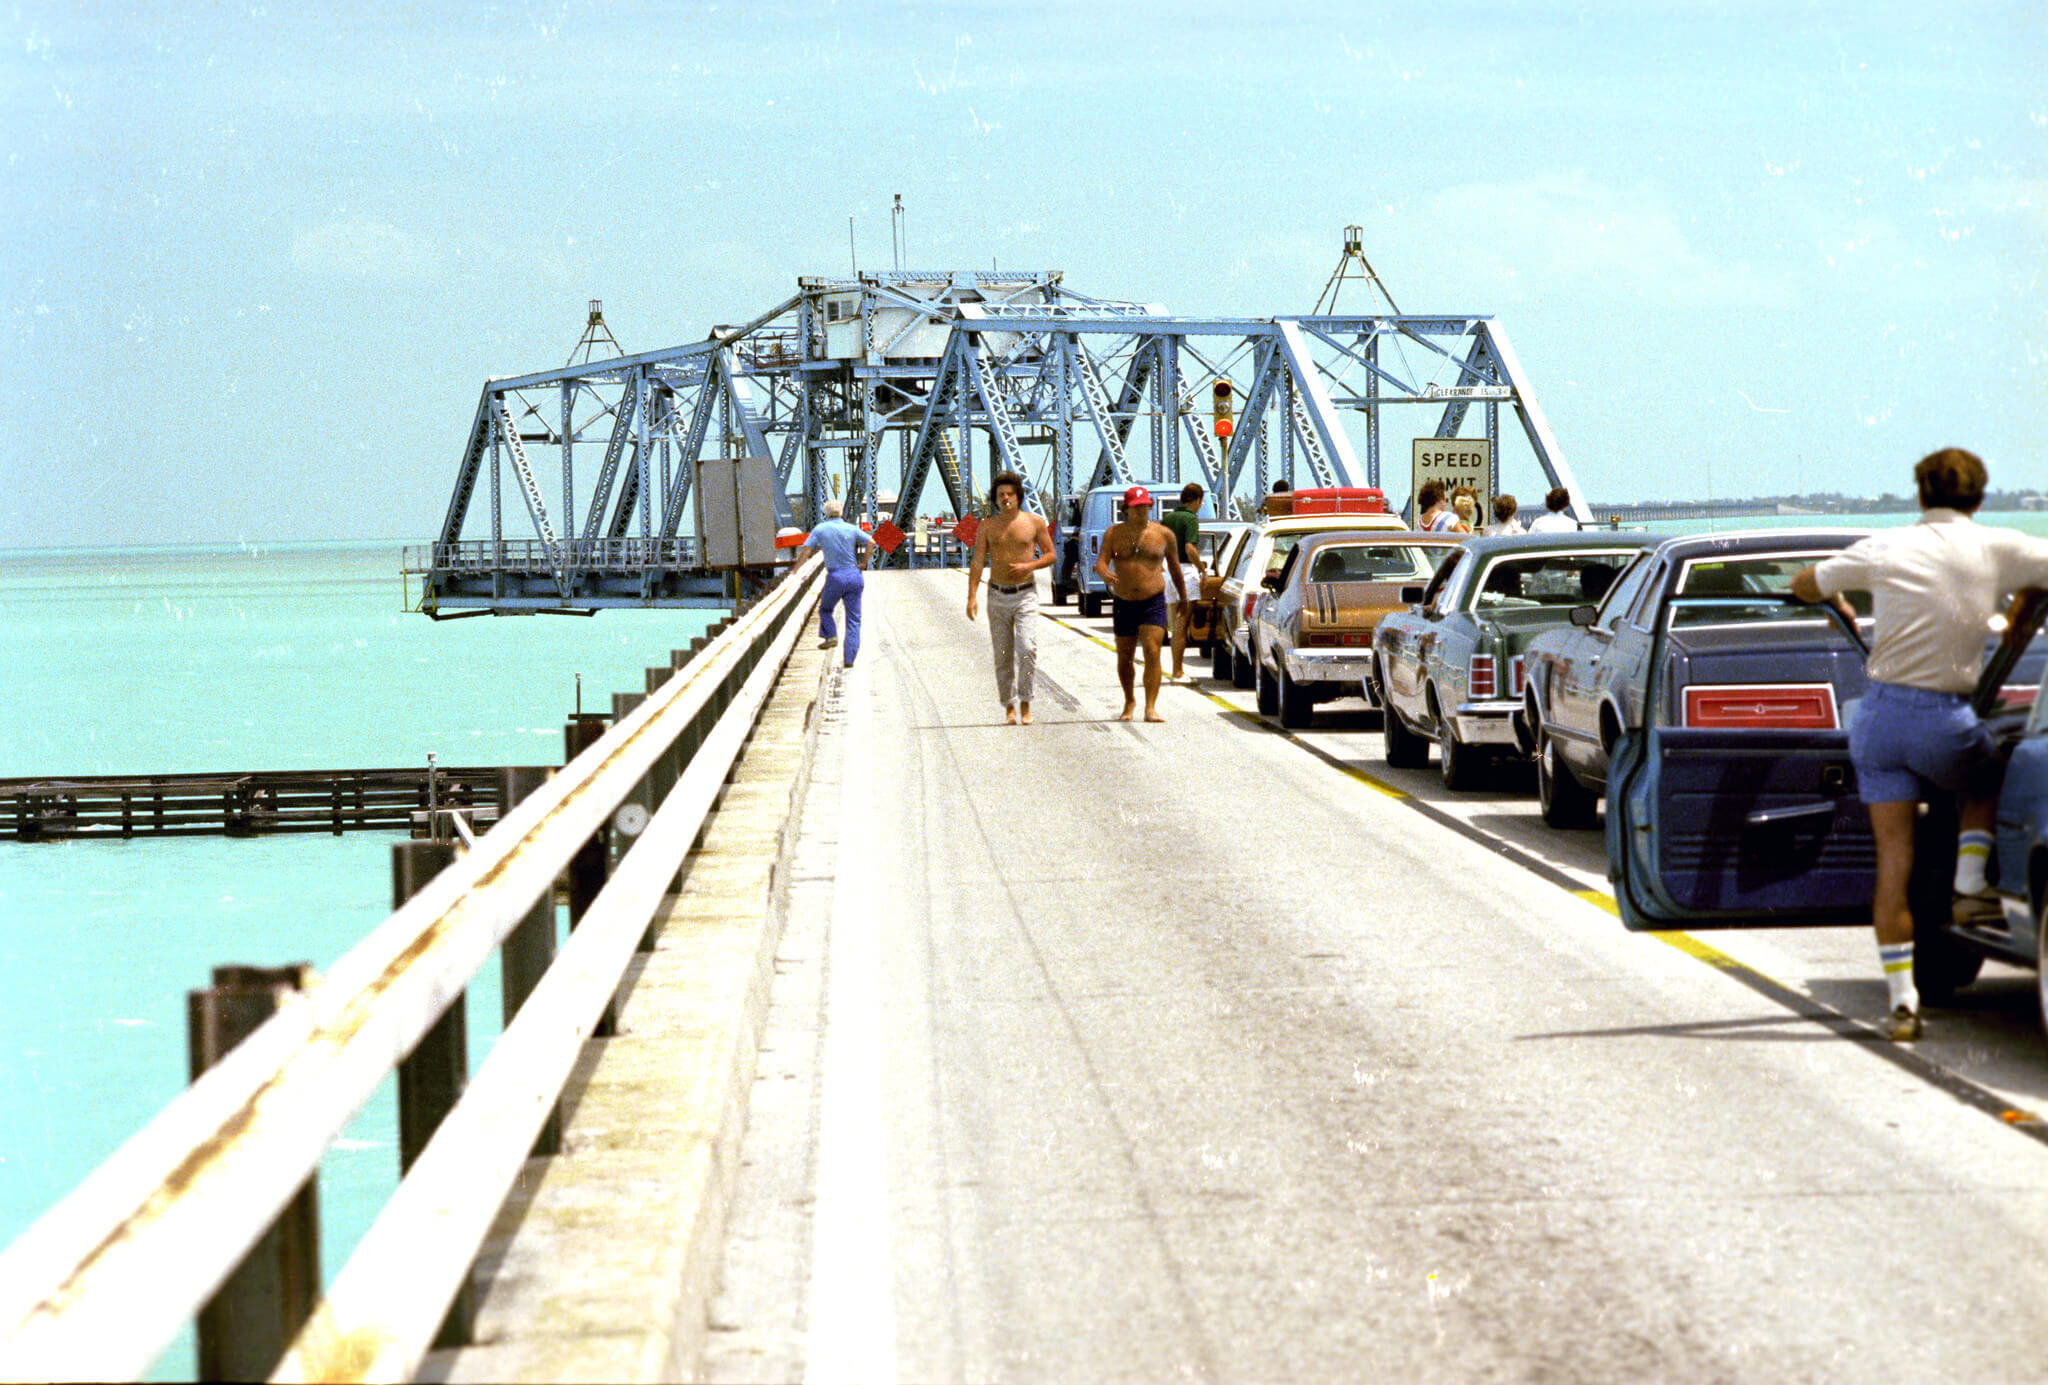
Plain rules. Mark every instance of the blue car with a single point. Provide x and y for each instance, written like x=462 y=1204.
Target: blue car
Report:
x=1733 y=802
x=1712 y=610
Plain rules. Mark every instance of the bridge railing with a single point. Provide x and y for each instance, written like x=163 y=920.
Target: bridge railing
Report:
x=623 y=555
x=103 y=1282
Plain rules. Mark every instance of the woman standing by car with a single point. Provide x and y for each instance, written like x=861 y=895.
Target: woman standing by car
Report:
x=1934 y=587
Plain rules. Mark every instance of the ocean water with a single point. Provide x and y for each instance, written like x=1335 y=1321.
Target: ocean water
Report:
x=137 y=661
x=2033 y=522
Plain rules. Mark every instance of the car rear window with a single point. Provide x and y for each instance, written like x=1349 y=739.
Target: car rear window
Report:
x=1722 y=583
x=1374 y=562
x=1550 y=579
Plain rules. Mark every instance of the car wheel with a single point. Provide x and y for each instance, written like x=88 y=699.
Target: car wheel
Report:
x=1525 y=722
x=1404 y=749
x=1942 y=963
x=1462 y=765
x=1059 y=595
x=1268 y=690
x=1564 y=800
x=1297 y=707
x=1243 y=671
x=2041 y=957
x=1221 y=655
x=1091 y=605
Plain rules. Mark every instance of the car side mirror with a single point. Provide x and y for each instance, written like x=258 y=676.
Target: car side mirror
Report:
x=1412 y=595
x=1582 y=616
x=1271 y=581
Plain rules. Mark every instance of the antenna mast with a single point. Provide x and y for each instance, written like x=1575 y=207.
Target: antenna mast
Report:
x=595 y=335
x=1354 y=253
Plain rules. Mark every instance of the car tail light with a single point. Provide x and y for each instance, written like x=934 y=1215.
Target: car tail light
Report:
x=1516 y=684
x=2016 y=695
x=1249 y=598
x=1481 y=677
x=1752 y=706
x=1336 y=639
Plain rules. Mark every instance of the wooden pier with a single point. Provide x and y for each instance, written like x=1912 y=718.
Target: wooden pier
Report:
x=243 y=805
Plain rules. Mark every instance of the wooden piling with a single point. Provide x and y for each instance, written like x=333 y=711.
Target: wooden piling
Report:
x=245 y=1327
x=530 y=947
x=588 y=868
x=432 y=1076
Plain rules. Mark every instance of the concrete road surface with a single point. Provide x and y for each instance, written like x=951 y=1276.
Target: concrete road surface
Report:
x=1123 y=1052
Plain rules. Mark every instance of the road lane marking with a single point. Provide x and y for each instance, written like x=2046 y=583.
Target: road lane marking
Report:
x=852 y=1311
x=1903 y=1056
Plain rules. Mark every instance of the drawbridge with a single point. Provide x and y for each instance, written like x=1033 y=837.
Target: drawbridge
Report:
x=661 y=478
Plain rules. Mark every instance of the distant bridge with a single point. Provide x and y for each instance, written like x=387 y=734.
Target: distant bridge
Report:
x=656 y=451
x=1651 y=511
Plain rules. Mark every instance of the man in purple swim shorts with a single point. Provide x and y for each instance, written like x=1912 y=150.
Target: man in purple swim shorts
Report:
x=1135 y=559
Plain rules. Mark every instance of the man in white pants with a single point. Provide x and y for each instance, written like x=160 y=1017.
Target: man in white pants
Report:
x=1015 y=544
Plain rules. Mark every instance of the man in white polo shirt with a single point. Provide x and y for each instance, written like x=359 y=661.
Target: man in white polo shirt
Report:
x=1934 y=587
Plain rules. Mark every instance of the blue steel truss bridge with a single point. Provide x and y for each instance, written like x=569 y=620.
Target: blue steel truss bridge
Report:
x=901 y=393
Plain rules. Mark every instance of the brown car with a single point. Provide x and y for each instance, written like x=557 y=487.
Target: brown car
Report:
x=1311 y=628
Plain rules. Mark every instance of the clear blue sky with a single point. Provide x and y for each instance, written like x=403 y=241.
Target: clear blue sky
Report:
x=260 y=258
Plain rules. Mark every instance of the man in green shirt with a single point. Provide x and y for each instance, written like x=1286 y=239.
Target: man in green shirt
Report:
x=1184 y=521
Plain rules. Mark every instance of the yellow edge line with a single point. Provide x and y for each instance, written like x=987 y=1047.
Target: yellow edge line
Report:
x=1599 y=899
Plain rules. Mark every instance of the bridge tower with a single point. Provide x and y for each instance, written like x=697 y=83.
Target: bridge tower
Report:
x=888 y=383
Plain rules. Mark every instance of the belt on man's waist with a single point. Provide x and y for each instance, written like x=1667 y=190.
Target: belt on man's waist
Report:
x=1011 y=591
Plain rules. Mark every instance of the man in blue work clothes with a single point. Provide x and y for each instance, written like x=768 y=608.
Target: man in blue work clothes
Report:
x=841 y=543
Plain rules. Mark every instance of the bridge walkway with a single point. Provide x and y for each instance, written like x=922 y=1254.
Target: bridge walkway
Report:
x=1106 y=1050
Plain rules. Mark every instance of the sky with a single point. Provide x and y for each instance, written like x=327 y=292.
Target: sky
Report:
x=260 y=258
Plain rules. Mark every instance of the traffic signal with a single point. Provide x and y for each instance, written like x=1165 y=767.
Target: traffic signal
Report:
x=1221 y=409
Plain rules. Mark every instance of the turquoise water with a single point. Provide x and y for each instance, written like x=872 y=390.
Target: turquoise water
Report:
x=2028 y=522
x=139 y=661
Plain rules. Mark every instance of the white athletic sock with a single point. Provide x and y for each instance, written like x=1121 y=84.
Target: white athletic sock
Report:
x=1898 y=974
x=1973 y=855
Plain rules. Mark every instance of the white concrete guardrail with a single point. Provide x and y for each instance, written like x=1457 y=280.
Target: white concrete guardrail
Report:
x=100 y=1285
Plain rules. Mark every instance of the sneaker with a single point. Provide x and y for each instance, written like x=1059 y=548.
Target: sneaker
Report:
x=1901 y=1026
x=828 y=644
x=1977 y=911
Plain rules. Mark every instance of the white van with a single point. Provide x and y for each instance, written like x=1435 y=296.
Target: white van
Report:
x=1103 y=507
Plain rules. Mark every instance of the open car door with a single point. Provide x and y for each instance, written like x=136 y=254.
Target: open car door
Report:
x=1739 y=807
x=1736 y=803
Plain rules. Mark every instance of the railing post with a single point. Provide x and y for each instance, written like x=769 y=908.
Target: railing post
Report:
x=432 y=1076
x=587 y=868
x=245 y=1327
x=646 y=795
x=530 y=946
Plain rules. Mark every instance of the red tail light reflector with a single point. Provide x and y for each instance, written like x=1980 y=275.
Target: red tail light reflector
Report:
x=1481 y=676
x=1515 y=679
x=1334 y=639
x=1762 y=706
x=1249 y=598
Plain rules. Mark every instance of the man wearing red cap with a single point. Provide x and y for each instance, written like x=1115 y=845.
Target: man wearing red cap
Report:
x=1135 y=558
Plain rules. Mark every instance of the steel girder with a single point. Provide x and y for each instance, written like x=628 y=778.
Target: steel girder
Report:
x=819 y=383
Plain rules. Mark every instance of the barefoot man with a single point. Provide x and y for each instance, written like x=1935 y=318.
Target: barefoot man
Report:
x=1015 y=545
x=1135 y=558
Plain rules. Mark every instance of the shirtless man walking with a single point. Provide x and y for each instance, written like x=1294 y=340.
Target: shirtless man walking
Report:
x=1015 y=544
x=1136 y=555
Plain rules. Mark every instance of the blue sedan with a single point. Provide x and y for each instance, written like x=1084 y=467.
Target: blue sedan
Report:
x=1709 y=610
x=1734 y=802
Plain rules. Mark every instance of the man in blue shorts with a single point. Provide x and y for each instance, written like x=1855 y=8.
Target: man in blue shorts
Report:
x=1934 y=586
x=841 y=543
x=1135 y=558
